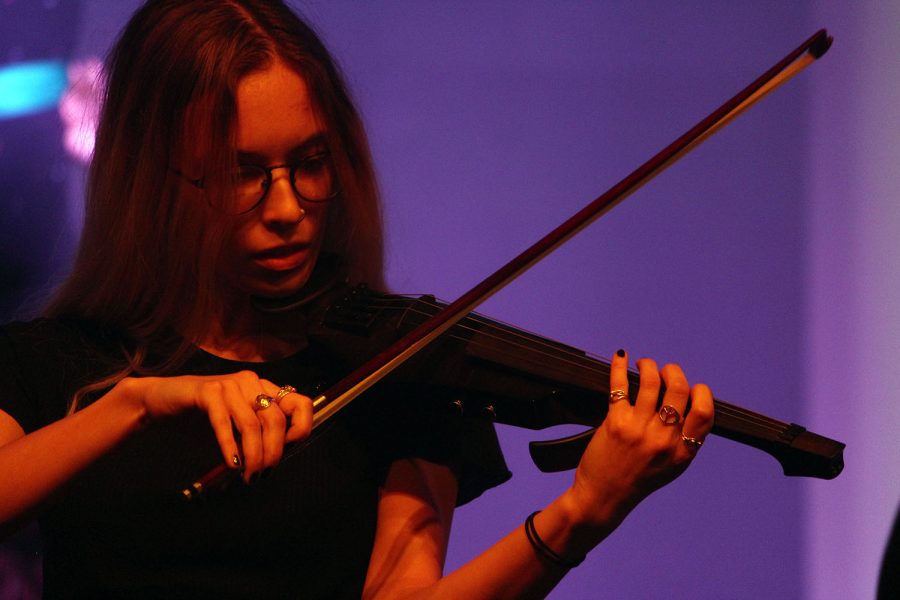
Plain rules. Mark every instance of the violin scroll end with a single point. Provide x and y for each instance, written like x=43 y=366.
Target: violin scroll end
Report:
x=812 y=455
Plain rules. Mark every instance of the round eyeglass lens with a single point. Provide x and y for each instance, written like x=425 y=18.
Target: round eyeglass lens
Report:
x=314 y=178
x=250 y=187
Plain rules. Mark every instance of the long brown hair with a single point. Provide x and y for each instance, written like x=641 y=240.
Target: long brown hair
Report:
x=147 y=261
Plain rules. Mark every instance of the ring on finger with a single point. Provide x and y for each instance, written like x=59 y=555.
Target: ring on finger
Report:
x=284 y=391
x=668 y=415
x=616 y=395
x=690 y=442
x=263 y=401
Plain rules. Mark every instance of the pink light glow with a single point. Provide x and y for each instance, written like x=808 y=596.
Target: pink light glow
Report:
x=80 y=107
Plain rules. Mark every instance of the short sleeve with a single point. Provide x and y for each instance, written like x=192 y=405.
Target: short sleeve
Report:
x=42 y=363
x=21 y=390
x=416 y=421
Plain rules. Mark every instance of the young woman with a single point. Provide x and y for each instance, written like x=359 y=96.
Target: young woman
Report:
x=229 y=159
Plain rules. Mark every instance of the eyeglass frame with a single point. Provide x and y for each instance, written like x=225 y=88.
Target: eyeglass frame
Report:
x=199 y=184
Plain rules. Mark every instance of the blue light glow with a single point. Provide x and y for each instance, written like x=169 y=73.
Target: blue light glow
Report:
x=27 y=88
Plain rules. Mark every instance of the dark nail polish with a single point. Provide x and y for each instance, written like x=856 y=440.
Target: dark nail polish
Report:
x=620 y=353
x=254 y=478
x=265 y=473
x=235 y=460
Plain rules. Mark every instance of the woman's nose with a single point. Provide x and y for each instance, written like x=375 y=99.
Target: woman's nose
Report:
x=281 y=204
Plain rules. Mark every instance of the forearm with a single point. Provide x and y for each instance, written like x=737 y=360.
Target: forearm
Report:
x=415 y=511
x=37 y=464
x=512 y=568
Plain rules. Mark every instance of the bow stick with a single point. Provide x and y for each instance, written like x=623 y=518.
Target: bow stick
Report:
x=362 y=378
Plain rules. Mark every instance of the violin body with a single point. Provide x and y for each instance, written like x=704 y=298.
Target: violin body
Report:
x=485 y=369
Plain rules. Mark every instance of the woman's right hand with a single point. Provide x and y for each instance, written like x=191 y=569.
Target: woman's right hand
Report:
x=230 y=402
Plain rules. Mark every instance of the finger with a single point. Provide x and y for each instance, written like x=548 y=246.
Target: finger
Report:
x=299 y=408
x=699 y=421
x=273 y=422
x=240 y=402
x=270 y=422
x=648 y=395
x=677 y=388
x=618 y=381
x=284 y=391
x=220 y=420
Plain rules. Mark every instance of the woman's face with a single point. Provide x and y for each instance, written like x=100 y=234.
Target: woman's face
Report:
x=274 y=247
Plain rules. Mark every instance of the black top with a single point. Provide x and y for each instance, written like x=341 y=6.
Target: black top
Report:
x=121 y=528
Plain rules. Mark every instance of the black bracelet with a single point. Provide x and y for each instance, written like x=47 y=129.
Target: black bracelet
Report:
x=544 y=550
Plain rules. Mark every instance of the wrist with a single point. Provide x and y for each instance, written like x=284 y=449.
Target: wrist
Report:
x=129 y=392
x=592 y=518
x=545 y=552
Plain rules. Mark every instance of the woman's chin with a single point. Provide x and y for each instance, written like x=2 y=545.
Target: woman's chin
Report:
x=280 y=284
x=274 y=291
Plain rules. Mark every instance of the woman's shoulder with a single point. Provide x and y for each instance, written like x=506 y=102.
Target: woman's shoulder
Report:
x=43 y=362
x=62 y=347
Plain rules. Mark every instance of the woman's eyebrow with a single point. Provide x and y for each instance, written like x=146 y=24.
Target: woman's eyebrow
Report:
x=299 y=150
x=313 y=142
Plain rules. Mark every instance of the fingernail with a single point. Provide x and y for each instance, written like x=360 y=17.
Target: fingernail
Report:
x=235 y=460
x=254 y=478
x=620 y=353
x=265 y=473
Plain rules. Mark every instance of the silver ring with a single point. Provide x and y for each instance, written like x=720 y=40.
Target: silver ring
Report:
x=284 y=391
x=668 y=415
x=262 y=402
x=692 y=443
x=616 y=395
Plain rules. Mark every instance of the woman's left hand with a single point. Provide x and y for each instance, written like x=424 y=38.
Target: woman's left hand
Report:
x=640 y=448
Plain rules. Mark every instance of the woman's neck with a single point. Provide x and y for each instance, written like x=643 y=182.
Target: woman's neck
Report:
x=242 y=333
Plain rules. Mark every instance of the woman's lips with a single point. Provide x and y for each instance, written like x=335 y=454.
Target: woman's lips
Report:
x=282 y=258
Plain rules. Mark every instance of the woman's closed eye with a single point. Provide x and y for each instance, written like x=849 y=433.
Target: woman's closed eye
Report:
x=315 y=163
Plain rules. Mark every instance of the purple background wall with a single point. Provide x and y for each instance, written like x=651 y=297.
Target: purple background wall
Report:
x=763 y=262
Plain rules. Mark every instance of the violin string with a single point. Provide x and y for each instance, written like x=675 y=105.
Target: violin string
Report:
x=559 y=352
x=544 y=347
x=594 y=366
x=553 y=348
x=578 y=359
x=722 y=407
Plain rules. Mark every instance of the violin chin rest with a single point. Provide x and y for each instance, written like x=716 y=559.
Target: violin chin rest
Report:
x=551 y=456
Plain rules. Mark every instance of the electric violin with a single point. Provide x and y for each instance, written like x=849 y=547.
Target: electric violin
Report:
x=520 y=378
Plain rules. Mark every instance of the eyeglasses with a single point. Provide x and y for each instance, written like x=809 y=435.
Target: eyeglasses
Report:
x=313 y=179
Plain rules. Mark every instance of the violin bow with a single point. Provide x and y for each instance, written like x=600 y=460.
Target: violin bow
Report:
x=379 y=366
